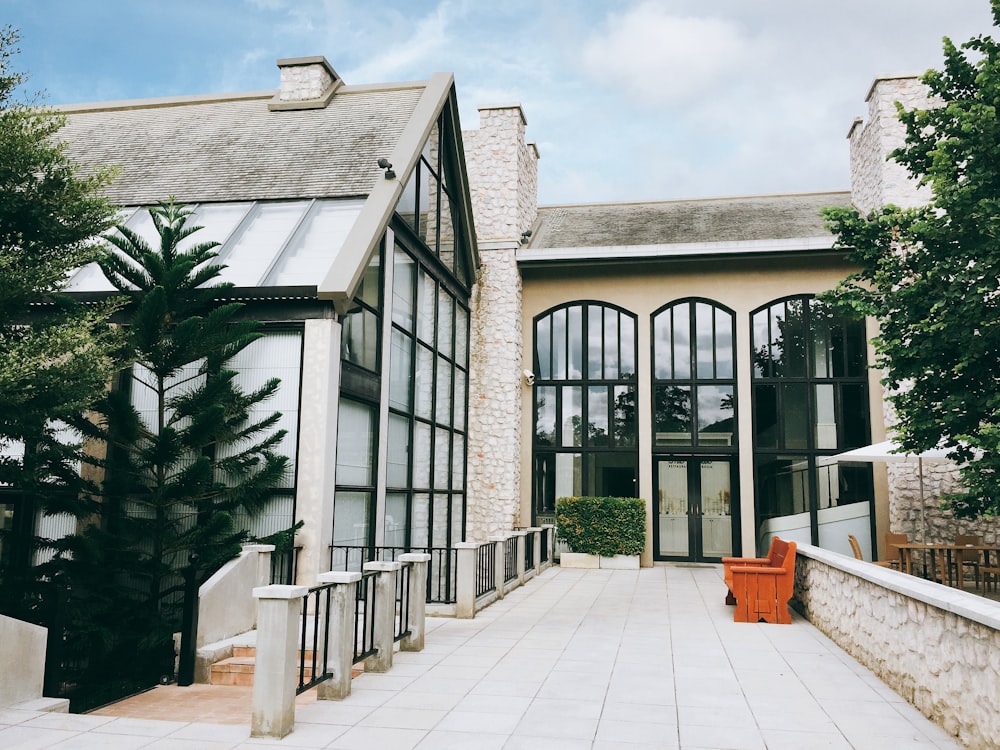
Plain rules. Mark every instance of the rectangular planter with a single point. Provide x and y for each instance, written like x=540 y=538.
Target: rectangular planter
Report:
x=620 y=562
x=579 y=560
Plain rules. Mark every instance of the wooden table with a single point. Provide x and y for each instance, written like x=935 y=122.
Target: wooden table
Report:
x=957 y=550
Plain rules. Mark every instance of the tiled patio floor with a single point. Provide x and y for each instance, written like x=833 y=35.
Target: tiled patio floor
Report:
x=590 y=659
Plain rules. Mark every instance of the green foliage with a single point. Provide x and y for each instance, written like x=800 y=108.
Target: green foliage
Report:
x=931 y=275
x=602 y=525
x=176 y=472
x=56 y=357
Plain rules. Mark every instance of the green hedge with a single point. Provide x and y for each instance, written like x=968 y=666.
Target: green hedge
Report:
x=602 y=525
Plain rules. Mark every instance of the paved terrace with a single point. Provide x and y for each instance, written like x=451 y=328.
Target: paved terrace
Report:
x=576 y=659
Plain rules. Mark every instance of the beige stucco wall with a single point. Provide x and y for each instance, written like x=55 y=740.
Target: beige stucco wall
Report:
x=741 y=285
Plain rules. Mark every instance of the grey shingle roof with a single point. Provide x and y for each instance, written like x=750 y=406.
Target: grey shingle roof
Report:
x=773 y=217
x=236 y=149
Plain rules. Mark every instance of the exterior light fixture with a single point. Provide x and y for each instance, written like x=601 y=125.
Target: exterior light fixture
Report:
x=387 y=166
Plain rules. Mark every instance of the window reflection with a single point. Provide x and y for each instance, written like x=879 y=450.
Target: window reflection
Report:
x=693 y=389
x=585 y=403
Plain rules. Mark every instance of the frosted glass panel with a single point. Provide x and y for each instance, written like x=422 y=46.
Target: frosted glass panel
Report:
x=256 y=245
x=355 y=429
x=316 y=244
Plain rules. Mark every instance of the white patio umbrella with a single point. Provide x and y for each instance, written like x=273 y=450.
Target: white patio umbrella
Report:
x=890 y=451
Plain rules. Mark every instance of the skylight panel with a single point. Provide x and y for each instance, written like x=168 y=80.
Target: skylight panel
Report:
x=259 y=241
x=317 y=243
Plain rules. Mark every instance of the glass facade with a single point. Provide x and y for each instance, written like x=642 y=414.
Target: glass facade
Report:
x=694 y=431
x=585 y=440
x=409 y=323
x=810 y=401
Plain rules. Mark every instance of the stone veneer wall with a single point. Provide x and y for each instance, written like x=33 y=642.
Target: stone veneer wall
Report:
x=875 y=180
x=503 y=184
x=937 y=647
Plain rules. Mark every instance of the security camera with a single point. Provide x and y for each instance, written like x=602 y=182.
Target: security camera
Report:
x=529 y=377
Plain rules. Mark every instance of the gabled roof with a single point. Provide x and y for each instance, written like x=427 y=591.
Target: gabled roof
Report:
x=242 y=148
x=213 y=149
x=685 y=227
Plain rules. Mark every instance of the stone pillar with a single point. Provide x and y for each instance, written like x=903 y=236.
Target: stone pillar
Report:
x=340 y=634
x=550 y=543
x=419 y=562
x=278 y=612
x=503 y=173
x=385 y=615
x=465 y=579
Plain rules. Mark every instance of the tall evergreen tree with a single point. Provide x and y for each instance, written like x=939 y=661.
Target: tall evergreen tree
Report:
x=931 y=275
x=56 y=358
x=185 y=445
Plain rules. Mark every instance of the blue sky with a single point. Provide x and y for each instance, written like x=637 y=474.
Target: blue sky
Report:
x=626 y=99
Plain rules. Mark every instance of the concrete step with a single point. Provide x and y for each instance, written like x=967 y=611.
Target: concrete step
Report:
x=238 y=669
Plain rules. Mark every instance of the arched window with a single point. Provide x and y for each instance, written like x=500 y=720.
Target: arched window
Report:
x=693 y=377
x=694 y=432
x=810 y=401
x=585 y=404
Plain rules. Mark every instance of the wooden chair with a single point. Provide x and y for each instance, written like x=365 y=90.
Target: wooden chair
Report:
x=857 y=554
x=969 y=559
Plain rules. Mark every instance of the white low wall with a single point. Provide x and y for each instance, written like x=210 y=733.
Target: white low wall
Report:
x=22 y=661
x=226 y=605
x=936 y=646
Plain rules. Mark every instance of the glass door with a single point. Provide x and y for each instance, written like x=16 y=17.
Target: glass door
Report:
x=694 y=509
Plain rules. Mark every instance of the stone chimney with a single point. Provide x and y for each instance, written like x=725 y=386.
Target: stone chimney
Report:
x=503 y=174
x=877 y=180
x=306 y=83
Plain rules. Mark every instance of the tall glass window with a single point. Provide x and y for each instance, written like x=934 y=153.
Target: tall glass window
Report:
x=428 y=401
x=810 y=401
x=585 y=404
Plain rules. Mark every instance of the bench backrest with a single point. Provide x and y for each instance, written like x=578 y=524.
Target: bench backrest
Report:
x=784 y=554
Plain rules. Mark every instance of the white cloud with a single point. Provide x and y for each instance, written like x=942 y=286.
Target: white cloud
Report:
x=396 y=56
x=658 y=58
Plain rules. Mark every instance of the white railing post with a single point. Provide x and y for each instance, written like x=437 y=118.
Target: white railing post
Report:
x=500 y=564
x=519 y=555
x=385 y=615
x=278 y=612
x=340 y=634
x=465 y=579
x=419 y=562
x=536 y=547
x=550 y=543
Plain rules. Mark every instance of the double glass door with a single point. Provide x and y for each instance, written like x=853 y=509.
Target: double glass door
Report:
x=695 y=506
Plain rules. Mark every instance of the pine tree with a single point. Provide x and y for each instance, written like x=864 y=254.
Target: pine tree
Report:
x=184 y=451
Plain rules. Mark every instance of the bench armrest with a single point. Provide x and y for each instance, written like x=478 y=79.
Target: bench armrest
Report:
x=759 y=569
x=744 y=560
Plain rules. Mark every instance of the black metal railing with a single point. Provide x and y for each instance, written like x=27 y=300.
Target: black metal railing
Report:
x=312 y=646
x=486 y=563
x=441 y=571
x=529 y=550
x=510 y=559
x=364 y=618
x=402 y=622
x=545 y=544
x=284 y=565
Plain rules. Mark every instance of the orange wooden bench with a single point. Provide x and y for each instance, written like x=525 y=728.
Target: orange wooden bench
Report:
x=762 y=591
x=729 y=562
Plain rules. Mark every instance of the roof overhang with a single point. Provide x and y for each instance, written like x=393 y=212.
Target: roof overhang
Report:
x=674 y=251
